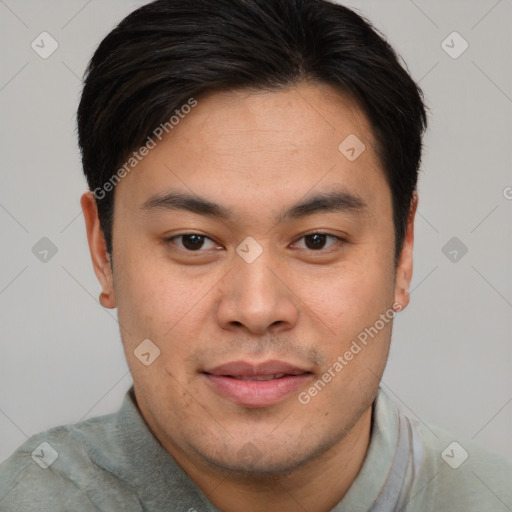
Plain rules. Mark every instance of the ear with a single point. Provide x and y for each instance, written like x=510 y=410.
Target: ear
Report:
x=98 y=249
x=404 y=269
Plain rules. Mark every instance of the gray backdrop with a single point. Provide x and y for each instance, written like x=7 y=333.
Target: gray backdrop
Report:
x=61 y=357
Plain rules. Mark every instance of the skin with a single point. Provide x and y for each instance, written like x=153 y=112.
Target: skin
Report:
x=257 y=154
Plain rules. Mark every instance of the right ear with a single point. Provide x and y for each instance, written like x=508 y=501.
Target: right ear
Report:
x=98 y=249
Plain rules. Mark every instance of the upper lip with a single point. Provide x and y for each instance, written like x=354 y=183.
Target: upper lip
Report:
x=245 y=369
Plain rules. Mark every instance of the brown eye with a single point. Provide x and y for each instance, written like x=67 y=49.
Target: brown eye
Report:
x=192 y=242
x=318 y=241
x=315 y=241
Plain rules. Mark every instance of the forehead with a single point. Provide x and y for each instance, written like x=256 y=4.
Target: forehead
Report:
x=260 y=148
x=309 y=118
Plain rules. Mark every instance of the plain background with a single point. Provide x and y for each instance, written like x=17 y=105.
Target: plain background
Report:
x=450 y=363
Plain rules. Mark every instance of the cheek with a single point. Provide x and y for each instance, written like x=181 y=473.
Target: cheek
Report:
x=145 y=294
x=158 y=301
x=349 y=299
x=357 y=340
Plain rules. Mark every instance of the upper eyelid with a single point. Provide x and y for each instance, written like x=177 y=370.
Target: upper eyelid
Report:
x=171 y=238
x=338 y=238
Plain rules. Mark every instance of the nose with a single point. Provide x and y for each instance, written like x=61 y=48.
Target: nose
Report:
x=257 y=298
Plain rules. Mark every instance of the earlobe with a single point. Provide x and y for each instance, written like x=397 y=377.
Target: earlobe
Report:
x=405 y=264
x=106 y=300
x=98 y=250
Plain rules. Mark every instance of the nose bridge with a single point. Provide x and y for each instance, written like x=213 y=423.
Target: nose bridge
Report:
x=256 y=298
x=255 y=279
x=255 y=284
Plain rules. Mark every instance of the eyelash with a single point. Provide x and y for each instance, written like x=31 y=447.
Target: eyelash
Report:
x=338 y=241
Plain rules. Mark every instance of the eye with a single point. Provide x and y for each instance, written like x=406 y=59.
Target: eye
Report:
x=195 y=242
x=318 y=241
x=192 y=242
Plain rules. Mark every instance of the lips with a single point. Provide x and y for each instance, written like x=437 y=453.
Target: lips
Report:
x=261 y=378
x=256 y=385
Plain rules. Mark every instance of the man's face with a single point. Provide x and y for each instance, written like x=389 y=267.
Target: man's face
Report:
x=246 y=327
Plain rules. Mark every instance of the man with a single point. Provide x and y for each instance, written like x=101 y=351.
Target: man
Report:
x=252 y=167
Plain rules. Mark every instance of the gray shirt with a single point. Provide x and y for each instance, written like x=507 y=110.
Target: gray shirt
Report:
x=114 y=463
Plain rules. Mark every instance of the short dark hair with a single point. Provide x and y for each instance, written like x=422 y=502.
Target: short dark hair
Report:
x=169 y=51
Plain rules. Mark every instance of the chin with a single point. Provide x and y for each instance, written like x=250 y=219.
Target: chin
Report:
x=263 y=467
x=264 y=458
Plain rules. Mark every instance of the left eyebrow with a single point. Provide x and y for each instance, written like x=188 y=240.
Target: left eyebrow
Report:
x=325 y=202
x=339 y=201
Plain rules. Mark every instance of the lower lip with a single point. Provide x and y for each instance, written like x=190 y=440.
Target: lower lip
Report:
x=254 y=393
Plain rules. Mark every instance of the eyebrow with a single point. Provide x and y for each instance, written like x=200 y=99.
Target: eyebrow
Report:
x=337 y=201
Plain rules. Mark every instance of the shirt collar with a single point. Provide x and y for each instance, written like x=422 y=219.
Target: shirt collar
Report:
x=385 y=472
x=147 y=468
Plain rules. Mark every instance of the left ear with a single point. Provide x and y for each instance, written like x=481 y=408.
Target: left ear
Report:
x=404 y=268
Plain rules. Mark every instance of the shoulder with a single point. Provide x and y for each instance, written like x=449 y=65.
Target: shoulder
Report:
x=457 y=474
x=58 y=470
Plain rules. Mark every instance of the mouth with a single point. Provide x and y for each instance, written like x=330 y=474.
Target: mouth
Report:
x=259 y=378
x=256 y=385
